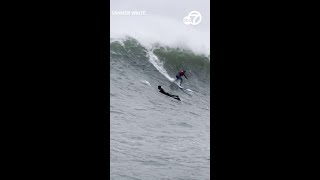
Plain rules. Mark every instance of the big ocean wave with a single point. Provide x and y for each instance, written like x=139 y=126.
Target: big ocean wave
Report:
x=161 y=63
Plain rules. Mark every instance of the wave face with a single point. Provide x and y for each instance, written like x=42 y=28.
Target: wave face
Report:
x=163 y=62
x=153 y=136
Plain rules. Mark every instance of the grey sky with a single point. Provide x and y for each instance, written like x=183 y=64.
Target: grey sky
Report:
x=163 y=21
x=175 y=9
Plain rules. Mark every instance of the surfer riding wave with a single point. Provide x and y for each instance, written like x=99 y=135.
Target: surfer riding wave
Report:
x=179 y=76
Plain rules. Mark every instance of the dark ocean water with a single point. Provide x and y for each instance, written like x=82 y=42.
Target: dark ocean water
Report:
x=152 y=135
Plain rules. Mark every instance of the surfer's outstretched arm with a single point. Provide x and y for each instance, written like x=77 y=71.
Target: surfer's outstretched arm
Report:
x=185 y=76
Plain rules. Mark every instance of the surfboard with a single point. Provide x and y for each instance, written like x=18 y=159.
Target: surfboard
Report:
x=182 y=88
x=178 y=85
x=186 y=89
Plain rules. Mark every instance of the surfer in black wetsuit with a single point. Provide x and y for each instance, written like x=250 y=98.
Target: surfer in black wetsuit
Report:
x=163 y=92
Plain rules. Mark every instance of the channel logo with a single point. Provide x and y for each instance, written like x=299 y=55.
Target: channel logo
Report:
x=193 y=18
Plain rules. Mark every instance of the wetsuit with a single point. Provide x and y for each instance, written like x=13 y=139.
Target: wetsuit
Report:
x=174 y=96
x=179 y=76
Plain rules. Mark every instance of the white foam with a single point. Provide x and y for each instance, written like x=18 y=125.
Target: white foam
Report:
x=146 y=82
x=153 y=29
x=190 y=90
x=158 y=65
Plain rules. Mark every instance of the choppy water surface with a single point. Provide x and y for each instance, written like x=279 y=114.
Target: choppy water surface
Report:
x=152 y=135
